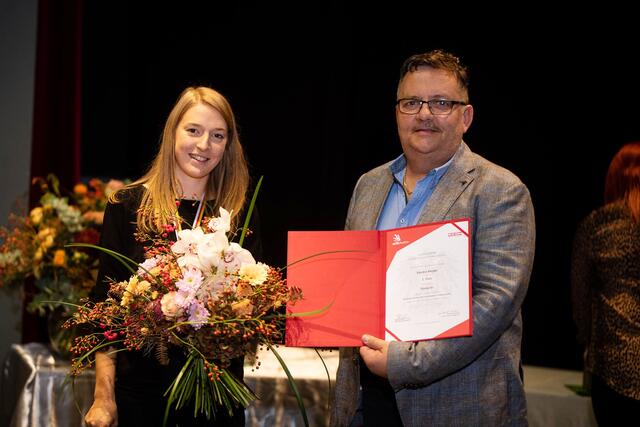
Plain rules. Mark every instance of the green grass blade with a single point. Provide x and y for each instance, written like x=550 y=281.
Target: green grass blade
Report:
x=173 y=388
x=326 y=370
x=114 y=254
x=292 y=383
x=250 y=211
x=318 y=254
x=119 y=257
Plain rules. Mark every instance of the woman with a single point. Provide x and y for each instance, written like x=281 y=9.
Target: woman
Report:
x=606 y=292
x=200 y=161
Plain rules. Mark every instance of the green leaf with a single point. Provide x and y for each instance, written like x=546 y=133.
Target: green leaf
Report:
x=250 y=211
x=326 y=370
x=114 y=254
x=311 y=313
x=176 y=387
x=119 y=257
x=318 y=254
x=578 y=389
x=101 y=346
x=292 y=383
x=192 y=384
x=55 y=183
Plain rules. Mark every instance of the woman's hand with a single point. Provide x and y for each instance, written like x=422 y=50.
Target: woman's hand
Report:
x=103 y=413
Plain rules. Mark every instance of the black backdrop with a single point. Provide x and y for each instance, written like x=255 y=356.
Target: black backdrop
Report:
x=313 y=89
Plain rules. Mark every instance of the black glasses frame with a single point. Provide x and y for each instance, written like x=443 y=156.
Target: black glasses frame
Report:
x=430 y=103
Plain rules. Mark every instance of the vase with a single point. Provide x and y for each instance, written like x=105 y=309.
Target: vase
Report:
x=60 y=339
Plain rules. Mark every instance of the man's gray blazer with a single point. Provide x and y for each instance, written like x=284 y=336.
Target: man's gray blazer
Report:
x=467 y=381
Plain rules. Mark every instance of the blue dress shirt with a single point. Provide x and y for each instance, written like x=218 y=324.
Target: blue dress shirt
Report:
x=397 y=212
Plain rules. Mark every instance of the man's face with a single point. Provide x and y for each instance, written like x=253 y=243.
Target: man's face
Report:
x=425 y=134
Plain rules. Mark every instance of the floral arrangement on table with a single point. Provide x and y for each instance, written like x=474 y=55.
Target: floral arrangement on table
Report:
x=202 y=293
x=34 y=246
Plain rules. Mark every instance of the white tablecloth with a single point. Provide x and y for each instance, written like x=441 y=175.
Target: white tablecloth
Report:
x=34 y=393
x=551 y=404
x=277 y=405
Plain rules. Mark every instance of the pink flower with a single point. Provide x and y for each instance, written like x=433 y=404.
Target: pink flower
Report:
x=112 y=186
x=169 y=305
x=198 y=315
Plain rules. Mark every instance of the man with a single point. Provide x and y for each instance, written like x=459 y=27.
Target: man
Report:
x=467 y=381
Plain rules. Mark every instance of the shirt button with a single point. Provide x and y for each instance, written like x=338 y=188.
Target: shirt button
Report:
x=402 y=221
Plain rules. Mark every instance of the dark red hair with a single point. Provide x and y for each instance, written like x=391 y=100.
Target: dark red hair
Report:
x=623 y=178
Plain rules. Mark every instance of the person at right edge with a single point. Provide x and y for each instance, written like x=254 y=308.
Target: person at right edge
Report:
x=466 y=381
x=605 y=281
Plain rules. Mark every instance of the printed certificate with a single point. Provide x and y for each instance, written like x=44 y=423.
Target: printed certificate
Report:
x=404 y=284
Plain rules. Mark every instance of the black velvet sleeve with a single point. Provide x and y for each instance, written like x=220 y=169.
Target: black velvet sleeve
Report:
x=118 y=234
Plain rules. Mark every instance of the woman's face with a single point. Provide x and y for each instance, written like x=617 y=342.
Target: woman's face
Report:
x=201 y=137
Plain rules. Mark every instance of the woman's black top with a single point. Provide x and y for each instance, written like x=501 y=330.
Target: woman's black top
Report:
x=141 y=380
x=605 y=278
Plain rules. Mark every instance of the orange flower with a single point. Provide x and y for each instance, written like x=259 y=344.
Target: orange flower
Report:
x=59 y=258
x=95 y=216
x=80 y=189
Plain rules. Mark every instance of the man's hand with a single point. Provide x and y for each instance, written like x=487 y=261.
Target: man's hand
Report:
x=374 y=354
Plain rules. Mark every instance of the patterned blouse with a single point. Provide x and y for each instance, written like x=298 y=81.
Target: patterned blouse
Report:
x=605 y=279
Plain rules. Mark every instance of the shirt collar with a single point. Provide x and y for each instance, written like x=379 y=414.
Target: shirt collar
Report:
x=400 y=164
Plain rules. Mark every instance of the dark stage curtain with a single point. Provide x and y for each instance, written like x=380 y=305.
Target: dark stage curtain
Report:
x=57 y=111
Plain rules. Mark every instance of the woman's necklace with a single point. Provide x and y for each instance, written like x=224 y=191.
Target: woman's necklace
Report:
x=196 y=221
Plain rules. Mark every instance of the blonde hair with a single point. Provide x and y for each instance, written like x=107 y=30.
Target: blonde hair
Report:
x=228 y=182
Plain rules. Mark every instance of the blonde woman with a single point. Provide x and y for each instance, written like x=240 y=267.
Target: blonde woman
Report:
x=200 y=162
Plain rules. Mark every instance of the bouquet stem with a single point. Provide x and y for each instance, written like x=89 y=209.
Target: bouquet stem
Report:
x=209 y=387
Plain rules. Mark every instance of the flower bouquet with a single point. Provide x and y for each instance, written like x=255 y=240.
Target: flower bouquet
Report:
x=202 y=293
x=34 y=246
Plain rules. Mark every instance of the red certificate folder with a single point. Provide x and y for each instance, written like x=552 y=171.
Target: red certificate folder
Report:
x=404 y=284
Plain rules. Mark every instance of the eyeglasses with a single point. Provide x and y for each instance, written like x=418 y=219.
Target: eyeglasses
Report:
x=437 y=107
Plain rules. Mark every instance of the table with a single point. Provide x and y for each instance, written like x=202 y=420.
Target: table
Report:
x=550 y=403
x=35 y=392
x=277 y=405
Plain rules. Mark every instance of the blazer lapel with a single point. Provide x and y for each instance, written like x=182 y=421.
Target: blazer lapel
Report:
x=451 y=185
x=376 y=202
